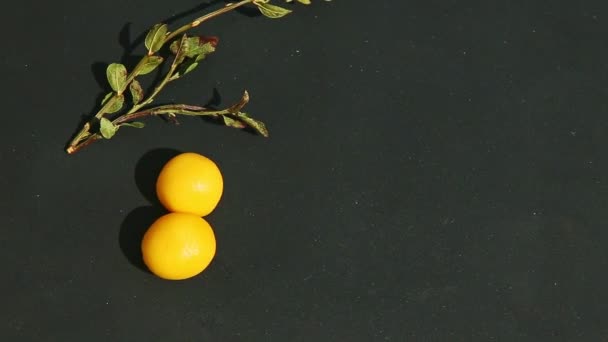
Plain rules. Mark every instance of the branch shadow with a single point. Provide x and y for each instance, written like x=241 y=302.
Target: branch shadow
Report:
x=248 y=11
x=213 y=103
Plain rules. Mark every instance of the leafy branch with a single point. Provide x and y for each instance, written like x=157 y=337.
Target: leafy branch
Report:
x=188 y=52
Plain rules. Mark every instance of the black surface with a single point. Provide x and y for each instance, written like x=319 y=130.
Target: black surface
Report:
x=437 y=171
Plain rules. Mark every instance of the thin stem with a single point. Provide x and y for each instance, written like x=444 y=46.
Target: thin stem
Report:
x=168 y=78
x=135 y=71
x=206 y=17
x=83 y=143
x=160 y=110
x=155 y=92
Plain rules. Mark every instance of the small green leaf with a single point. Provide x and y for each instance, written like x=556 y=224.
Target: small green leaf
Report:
x=117 y=77
x=137 y=92
x=149 y=64
x=193 y=47
x=191 y=67
x=107 y=128
x=134 y=124
x=174 y=47
x=191 y=44
x=196 y=46
x=202 y=51
x=200 y=57
x=116 y=105
x=305 y=2
x=185 y=68
x=180 y=52
x=230 y=122
x=106 y=98
x=256 y=125
x=183 y=44
x=272 y=11
x=156 y=38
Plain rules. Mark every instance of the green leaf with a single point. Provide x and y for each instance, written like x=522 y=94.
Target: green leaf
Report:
x=137 y=92
x=193 y=47
x=183 y=45
x=202 y=51
x=107 y=128
x=230 y=122
x=272 y=11
x=106 y=98
x=191 y=67
x=117 y=77
x=305 y=2
x=256 y=125
x=196 y=46
x=174 y=47
x=186 y=67
x=200 y=57
x=156 y=38
x=149 y=64
x=134 y=124
x=180 y=52
x=116 y=105
x=191 y=44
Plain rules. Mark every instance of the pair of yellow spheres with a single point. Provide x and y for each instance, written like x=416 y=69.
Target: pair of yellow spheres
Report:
x=181 y=244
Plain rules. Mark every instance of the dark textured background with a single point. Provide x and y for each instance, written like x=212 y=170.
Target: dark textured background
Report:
x=436 y=172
